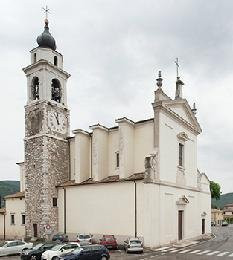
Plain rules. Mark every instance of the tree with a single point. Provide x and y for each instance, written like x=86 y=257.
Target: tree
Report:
x=215 y=190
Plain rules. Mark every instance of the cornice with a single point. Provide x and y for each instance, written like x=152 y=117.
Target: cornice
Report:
x=45 y=135
x=45 y=63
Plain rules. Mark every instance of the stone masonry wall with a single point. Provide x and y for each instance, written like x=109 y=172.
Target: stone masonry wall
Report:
x=46 y=166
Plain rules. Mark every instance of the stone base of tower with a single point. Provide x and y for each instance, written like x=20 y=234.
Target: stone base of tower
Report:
x=46 y=166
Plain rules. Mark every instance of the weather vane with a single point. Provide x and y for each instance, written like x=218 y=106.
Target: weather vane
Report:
x=46 y=10
x=177 y=67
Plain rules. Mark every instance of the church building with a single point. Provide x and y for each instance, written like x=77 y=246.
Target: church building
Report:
x=134 y=179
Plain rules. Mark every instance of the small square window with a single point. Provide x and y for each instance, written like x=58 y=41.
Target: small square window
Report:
x=54 y=202
x=117 y=159
x=12 y=219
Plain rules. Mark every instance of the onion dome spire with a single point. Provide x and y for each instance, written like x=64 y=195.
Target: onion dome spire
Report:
x=46 y=40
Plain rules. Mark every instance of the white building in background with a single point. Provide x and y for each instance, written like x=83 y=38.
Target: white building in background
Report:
x=133 y=179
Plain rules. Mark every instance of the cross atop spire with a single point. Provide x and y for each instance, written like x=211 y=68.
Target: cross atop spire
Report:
x=177 y=67
x=46 y=10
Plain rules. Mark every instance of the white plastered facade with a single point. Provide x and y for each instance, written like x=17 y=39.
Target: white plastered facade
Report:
x=105 y=198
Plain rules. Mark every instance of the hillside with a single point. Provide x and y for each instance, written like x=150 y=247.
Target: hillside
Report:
x=224 y=199
x=8 y=187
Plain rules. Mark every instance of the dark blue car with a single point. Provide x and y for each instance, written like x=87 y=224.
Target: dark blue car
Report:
x=90 y=252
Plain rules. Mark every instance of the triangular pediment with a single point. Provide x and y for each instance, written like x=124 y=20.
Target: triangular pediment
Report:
x=182 y=109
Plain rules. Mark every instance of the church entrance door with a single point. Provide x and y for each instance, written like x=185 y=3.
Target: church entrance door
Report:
x=180 y=224
x=35 y=230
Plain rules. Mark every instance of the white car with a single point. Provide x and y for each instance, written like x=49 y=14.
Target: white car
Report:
x=133 y=245
x=14 y=247
x=58 y=250
x=84 y=239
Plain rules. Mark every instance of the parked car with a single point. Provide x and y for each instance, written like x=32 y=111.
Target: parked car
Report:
x=14 y=247
x=109 y=241
x=58 y=250
x=60 y=237
x=36 y=252
x=84 y=239
x=213 y=223
x=90 y=252
x=224 y=223
x=133 y=245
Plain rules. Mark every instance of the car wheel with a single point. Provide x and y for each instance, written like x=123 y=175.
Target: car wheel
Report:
x=55 y=258
x=103 y=258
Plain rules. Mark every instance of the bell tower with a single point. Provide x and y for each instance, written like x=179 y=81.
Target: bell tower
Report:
x=46 y=132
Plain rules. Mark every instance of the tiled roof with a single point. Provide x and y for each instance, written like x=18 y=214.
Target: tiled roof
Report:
x=109 y=179
x=16 y=195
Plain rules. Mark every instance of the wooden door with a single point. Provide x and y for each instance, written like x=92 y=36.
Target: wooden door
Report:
x=35 y=230
x=203 y=226
x=180 y=224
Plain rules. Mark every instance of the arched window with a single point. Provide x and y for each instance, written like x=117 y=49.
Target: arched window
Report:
x=35 y=88
x=56 y=90
x=55 y=60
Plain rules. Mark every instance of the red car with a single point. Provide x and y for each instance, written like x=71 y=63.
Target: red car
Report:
x=109 y=241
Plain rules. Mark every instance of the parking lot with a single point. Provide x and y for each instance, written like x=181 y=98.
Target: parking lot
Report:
x=115 y=254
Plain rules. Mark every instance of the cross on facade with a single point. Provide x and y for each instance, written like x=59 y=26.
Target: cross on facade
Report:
x=46 y=10
x=177 y=67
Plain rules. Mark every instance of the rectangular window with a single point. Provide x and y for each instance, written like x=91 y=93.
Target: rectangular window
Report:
x=117 y=159
x=34 y=58
x=23 y=219
x=181 y=154
x=12 y=219
x=54 y=202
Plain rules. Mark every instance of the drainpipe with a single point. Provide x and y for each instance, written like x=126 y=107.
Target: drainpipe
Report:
x=135 y=209
x=91 y=155
x=64 y=191
x=4 y=222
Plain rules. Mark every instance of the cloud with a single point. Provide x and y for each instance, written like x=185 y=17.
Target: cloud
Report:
x=113 y=51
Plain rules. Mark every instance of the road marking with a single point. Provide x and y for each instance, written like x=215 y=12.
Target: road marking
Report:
x=185 y=251
x=162 y=248
x=174 y=251
x=203 y=252
x=170 y=249
x=195 y=251
x=231 y=255
x=224 y=253
x=214 y=252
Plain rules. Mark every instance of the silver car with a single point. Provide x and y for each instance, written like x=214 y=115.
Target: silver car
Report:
x=133 y=245
x=84 y=239
x=14 y=247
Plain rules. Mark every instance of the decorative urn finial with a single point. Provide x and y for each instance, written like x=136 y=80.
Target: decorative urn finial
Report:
x=159 y=80
x=194 y=109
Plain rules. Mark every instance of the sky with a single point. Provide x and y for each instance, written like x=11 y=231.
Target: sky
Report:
x=113 y=50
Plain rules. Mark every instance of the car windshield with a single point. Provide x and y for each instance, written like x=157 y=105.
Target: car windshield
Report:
x=84 y=236
x=135 y=242
x=37 y=246
x=57 y=247
x=109 y=238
